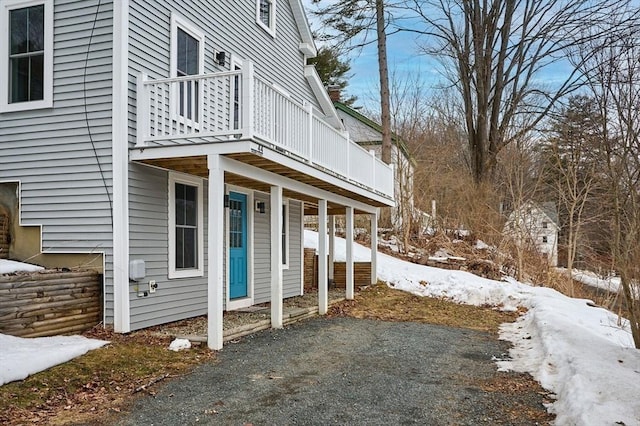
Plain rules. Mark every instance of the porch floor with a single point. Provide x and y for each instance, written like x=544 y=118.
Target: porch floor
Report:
x=246 y=321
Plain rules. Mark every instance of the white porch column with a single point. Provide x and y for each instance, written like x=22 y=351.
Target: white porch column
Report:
x=374 y=248
x=323 y=290
x=332 y=246
x=215 y=240
x=349 y=253
x=276 y=256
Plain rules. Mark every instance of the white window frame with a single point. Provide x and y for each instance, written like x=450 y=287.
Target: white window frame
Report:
x=47 y=100
x=287 y=234
x=198 y=183
x=271 y=28
x=178 y=22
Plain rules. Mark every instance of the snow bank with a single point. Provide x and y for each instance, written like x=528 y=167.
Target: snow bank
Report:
x=11 y=267
x=20 y=357
x=578 y=352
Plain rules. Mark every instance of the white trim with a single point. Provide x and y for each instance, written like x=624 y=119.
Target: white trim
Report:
x=215 y=245
x=323 y=276
x=120 y=157
x=245 y=301
x=186 y=150
x=276 y=256
x=180 y=22
x=311 y=74
x=271 y=28
x=287 y=213
x=47 y=101
x=244 y=169
x=374 y=248
x=301 y=248
x=349 y=253
x=198 y=183
x=307 y=46
x=332 y=247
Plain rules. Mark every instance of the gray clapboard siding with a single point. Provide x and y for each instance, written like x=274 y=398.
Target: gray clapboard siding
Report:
x=291 y=285
x=262 y=252
x=229 y=27
x=175 y=299
x=49 y=150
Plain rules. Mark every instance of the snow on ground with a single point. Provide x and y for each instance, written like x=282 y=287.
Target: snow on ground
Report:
x=594 y=280
x=20 y=357
x=11 y=267
x=578 y=352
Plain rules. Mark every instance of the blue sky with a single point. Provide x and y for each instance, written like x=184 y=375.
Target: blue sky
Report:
x=404 y=60
x=408 y=63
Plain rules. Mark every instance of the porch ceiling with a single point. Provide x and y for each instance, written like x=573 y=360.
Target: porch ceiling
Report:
x=197 y=165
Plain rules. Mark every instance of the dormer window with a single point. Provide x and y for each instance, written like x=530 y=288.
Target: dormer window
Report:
x=266 y=15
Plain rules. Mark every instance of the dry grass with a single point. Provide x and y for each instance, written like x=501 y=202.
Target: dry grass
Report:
x=94 y=387
x=384 y=303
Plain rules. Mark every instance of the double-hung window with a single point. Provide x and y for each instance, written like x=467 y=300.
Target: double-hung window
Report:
x=26 y=55
x=187 y=58
x=266 y=15
x=186 y=248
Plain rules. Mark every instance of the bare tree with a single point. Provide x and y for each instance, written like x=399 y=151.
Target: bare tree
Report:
x=614 y=79
x=496 y=51
x=354 y=22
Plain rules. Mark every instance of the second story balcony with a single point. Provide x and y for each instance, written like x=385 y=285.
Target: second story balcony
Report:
x=235 y=106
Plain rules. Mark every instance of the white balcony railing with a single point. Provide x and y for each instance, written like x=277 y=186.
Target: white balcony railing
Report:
x=228 y=106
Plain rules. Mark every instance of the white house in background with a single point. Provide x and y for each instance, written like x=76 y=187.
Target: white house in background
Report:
x=368 y=134
x=181 y=144
x=537 y=224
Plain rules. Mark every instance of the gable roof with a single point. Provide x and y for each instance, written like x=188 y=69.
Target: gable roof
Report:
x=307 y=46
x=547 y=209
x=395 y=139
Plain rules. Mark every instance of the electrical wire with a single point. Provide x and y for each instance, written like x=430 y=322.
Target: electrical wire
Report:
x=86 y=111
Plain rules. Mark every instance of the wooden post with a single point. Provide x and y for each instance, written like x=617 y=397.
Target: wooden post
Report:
x=349 y=259
x=323 y=291
x=216 y=255
x=276 y=257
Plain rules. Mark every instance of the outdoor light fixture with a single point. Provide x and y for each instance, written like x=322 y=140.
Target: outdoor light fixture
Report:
x=261 y=207
x=221 y=58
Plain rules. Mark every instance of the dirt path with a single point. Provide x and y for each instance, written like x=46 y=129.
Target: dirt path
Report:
x=349 y=371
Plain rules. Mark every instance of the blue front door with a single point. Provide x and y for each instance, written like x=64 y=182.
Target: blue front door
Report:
x=237 y=245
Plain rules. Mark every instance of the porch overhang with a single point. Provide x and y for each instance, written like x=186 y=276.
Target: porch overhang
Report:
x=251 y=159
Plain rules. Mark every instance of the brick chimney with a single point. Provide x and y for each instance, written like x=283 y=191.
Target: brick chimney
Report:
x=334 y=93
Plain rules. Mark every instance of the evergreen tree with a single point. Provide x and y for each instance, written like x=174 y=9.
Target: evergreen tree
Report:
x=333 y=71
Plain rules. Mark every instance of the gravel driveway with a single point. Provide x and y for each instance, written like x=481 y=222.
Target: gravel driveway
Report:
x=343 y=371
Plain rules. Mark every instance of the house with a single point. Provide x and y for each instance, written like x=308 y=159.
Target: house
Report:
x=368 y=134
x=537 y=224
x=175 y=146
